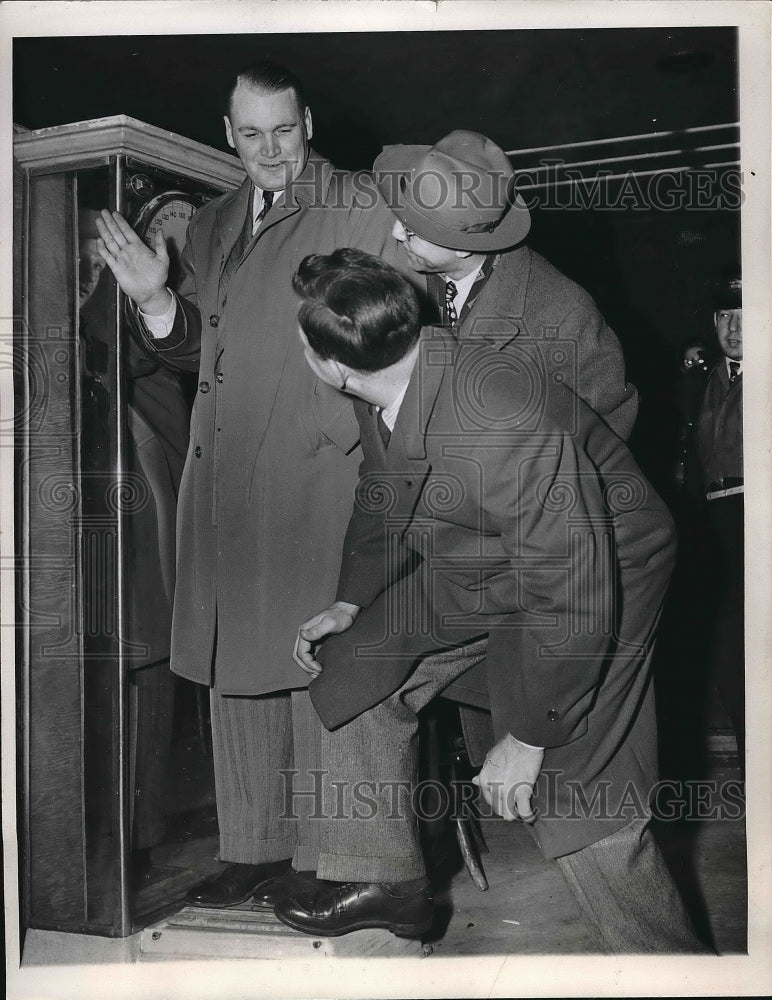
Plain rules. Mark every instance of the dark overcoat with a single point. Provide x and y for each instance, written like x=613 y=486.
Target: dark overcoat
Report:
x=270 y=469
x=528 y=298
x=534 y=526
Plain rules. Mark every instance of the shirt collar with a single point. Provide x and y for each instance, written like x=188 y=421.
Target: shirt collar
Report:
x=257 y=202
x=391 y=412
x=463 y=285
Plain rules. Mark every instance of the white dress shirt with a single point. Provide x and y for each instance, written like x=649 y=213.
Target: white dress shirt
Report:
x=463 y=288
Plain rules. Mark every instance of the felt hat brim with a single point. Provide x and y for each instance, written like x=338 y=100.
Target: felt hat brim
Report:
x=398 y=162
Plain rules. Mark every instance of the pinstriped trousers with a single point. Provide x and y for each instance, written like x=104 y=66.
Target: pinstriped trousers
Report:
x=621 y=882
x=264 y=749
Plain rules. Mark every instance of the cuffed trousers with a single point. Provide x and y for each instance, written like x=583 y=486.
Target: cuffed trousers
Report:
x=621 y=883
x=265 y=752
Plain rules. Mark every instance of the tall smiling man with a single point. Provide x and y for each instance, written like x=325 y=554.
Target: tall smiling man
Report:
x=266 y=491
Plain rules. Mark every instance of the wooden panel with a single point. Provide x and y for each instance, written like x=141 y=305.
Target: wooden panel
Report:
x=55 y=868
x=75 y=144
x=73 y=719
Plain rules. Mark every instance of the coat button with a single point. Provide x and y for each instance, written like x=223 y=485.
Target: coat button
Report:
x=553 y=716
x=214 y=320
x=204 y=387
x=198 y=451
x=219 y=377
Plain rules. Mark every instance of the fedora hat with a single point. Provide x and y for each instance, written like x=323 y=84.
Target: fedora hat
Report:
x=459 y=193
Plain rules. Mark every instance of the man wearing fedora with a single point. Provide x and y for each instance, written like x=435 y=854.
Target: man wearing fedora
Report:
x=462 y=224
x=497 y=517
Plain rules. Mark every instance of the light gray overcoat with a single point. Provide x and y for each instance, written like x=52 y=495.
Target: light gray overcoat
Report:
x=270 y=470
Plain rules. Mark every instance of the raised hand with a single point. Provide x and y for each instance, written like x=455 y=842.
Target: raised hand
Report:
x=335 y=619
x=140 y=271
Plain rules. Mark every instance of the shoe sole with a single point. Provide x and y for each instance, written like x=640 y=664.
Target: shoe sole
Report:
x=219 y=906
x=398 y=930
x=286 y=893
x=232 y=902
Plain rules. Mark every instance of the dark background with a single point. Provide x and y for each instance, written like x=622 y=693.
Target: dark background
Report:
x=522 y=88
x=649 y=270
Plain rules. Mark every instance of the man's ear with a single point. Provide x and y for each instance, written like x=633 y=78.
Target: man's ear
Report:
x=343 y=374
x=309 y=123
x=229 y=131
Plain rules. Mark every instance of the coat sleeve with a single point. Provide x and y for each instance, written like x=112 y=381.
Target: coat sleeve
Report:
x=600 y=366
x=369 y=219
x=181 y=349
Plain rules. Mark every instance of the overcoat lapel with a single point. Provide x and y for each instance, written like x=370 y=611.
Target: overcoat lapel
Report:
x=497 y=314
x=313 y=183
x=436 y=350
x=406 y=456
x=230 y=219
x=298 y=196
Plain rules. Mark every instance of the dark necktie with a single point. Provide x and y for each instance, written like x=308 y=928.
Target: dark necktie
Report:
x=268 y=197
x=383 y=430
x=380 y=423
x=241 y=244
x=451 y=316
x=734 y=370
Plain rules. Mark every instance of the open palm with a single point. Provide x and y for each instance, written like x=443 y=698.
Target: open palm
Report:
x=140 y=271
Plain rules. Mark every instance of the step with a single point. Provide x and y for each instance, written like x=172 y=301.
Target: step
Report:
x=199 y=932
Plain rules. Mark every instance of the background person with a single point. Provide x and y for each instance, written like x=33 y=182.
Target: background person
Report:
x=719 y=431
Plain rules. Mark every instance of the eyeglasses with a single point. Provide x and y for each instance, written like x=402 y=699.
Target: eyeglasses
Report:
x=409 y=234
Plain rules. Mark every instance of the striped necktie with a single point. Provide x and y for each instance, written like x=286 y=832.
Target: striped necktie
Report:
x=734 y=370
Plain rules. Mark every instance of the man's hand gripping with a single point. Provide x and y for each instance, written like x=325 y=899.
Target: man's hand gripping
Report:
x=335 y=619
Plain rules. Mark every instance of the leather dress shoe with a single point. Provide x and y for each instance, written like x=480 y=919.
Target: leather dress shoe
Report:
x=270 y=892
x=331 y=909
x=235 y=884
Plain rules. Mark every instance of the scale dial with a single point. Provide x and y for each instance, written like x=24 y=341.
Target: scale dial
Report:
x=170 y=214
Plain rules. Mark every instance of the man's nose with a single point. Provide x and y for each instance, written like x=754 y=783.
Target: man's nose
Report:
x=398 y=231
x=735 y=323
x=269 y=146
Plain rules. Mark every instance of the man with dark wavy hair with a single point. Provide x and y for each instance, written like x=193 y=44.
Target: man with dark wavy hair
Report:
x=497 y=518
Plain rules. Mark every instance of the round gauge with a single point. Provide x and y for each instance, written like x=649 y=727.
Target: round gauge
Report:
x=170 y=214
